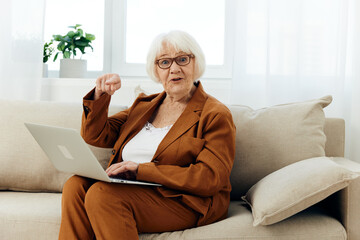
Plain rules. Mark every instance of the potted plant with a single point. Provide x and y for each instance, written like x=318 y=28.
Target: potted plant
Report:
x=48 y=51
x=69 y=45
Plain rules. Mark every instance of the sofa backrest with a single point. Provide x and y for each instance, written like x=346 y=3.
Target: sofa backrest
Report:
x=24 y=166
x=335 y=137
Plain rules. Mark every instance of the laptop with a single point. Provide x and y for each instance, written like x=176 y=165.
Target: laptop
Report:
x=69 y=153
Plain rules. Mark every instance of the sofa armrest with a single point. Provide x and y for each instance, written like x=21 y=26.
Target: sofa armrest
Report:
x=348 y=201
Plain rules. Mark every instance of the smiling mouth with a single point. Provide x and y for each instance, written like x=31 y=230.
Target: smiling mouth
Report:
x=176 y=79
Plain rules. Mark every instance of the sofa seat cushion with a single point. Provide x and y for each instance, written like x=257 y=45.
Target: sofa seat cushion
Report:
x=311 y=224
x=37 y=216
x=26 y=215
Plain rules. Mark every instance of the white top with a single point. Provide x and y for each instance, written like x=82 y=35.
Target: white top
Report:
x=142 y=147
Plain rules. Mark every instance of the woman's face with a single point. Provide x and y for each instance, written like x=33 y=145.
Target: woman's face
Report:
x=176 y=80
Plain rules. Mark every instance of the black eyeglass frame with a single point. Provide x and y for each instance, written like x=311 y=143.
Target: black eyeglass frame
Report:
x=171 y=60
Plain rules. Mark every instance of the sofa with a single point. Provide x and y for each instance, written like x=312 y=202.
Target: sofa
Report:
x=290 y=179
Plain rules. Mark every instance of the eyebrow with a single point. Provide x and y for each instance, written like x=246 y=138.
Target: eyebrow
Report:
x=176 y=55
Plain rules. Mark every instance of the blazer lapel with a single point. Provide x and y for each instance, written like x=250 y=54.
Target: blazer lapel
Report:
x=147 y=109
x=187 y=119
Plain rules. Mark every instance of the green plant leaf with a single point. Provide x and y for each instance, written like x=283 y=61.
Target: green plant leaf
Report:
x=80 y=43
x=69 y=43
x=89 y=36
x=66 y=54
x=81 y=32
x=82 y=49
x=61 y=46
x=78 y=34
x=56 y=55
x=57 y=37
x=83 y=39
x=70 y=34
x=67 y=39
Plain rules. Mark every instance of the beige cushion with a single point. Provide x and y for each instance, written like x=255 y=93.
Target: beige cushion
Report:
x=270 y=138
x=37 y=216
x=29 y=215
x=24 y=166
x=294 y=188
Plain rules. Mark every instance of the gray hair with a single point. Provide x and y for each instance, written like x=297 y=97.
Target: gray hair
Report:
x=181 y=41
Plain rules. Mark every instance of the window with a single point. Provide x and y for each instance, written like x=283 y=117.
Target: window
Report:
x=159 y=16
x=90 y=14
x=137 y=22
x=124 y=30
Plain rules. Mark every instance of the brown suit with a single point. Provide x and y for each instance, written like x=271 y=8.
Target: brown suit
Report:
x=193 y=163
x=194 y=160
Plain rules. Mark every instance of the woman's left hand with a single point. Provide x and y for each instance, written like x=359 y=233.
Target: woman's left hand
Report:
x=126 y=170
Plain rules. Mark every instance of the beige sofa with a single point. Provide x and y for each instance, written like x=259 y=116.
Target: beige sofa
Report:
x=268 y=140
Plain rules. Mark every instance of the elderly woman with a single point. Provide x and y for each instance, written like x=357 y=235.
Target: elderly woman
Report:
x=182 y=138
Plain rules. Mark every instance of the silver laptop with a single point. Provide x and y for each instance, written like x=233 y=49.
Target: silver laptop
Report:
x=69 y=153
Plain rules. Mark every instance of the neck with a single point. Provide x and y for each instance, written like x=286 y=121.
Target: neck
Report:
x=172 y=98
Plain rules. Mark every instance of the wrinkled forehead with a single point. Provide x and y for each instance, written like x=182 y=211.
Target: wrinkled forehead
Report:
x=171 y=49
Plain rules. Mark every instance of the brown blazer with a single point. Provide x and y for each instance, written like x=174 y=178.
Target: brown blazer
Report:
x=194 y=160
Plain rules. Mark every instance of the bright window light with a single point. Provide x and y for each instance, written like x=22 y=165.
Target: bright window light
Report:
x=203 y=19
x=90 y=14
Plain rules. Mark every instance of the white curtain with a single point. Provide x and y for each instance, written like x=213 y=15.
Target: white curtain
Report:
x=21 y=41
x=295 y=50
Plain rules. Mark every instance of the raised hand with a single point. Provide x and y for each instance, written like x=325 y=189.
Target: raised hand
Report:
x=108 y=83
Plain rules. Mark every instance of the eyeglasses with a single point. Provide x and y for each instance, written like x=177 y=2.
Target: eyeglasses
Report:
x=182 y=60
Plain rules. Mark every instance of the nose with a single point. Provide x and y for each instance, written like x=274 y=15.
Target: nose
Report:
x=174 y=68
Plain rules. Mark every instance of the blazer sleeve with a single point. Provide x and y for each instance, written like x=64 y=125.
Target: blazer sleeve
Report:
x=97 y=128
x=211 y=171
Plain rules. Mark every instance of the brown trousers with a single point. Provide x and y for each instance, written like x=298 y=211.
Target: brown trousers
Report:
x=92 y=209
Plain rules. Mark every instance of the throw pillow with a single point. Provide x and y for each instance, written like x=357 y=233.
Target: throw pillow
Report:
x=271 y=138
x=294 y=188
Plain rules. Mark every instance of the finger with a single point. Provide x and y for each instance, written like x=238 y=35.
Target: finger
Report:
x=118 y=170
x=126 y=167
x=111 y=168
x=108 y=170
x=113 y=80
x=112 y=88
x=103 y=84
x=98 y=84
x=117 y=86
x=107 y=89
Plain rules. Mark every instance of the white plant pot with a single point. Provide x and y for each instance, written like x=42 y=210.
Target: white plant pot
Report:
x=45 y=70
x=73 y=68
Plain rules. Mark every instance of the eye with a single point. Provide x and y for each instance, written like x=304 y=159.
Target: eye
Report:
x=164 y=62
x=183 y=59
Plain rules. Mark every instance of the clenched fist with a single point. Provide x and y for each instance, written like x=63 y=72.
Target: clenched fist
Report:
x=108 y=83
